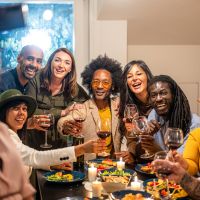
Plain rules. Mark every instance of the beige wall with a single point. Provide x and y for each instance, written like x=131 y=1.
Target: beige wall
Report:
x=180 y=62
x=95 y=37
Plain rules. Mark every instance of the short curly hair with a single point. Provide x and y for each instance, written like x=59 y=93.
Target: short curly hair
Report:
x=106 y=63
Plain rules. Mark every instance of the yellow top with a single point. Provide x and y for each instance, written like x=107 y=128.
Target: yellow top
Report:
x=104 y=115
x=192 y=151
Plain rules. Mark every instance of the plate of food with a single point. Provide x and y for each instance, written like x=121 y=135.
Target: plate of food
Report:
x=117 y=176
x=102 y=164
x=115 y=180
x=145 y=169
x=157 y=187
x=63 y=176
x=130 y=194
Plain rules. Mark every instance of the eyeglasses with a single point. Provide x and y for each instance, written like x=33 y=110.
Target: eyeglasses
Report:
x=96 y=83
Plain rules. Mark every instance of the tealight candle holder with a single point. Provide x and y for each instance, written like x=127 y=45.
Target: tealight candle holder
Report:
x=92 y=173
x=136 y=184
x=120 y=164
x=96 y=188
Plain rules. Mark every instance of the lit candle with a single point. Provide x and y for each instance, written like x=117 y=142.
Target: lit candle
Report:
x=96 y=188
x=136 y=185
x=92 y=173
x=120 y=164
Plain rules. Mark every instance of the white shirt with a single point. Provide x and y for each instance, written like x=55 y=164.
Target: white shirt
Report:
x=42 y=159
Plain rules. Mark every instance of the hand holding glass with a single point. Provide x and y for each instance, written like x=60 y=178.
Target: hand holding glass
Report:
x=130 y=113
x=141 y=127
x=51 y=122
x=79 y=114
x=103 y=129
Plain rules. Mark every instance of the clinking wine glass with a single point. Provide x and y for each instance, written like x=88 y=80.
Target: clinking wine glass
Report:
x=130 y=113
x=103 y=129
x=173 y=138
x=163 y=173
x=51 y=122
x=141 y=127
x=79 y=114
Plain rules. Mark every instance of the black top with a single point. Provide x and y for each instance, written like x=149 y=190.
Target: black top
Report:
x=9 y=80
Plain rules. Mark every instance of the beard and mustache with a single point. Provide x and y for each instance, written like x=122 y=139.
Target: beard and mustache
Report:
x=28 y=71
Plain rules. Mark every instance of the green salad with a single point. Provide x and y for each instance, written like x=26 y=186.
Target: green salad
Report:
x=59 y=176
x=115 y=173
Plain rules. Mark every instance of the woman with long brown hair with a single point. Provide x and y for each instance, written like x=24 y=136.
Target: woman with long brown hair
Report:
x=55 y=88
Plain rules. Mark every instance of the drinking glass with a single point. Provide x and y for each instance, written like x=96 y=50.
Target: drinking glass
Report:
x=141 y=127
x=163 y=173
x=79 y=114
x=103 y=129
x=130 y=113
x=51 y=122
x=173 y=138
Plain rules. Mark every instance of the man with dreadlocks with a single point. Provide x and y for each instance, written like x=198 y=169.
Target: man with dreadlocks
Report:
x=170 y=109
x=102 y=78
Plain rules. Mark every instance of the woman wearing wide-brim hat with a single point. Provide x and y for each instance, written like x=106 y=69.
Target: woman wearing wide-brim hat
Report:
x=15 y=109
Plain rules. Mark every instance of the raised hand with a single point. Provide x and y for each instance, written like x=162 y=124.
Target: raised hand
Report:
x=39 y=122
x=72 y=128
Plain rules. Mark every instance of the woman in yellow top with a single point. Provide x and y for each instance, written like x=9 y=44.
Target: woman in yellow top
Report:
x=191 y=152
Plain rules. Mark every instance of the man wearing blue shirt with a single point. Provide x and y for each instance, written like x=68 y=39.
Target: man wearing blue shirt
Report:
x=170 y=109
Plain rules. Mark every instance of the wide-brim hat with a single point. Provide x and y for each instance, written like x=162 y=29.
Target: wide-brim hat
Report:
x=13 y=95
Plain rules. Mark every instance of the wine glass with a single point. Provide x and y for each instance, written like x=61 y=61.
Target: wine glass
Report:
x=163 y=172
x=130 y=113
x=79 y=114
x=103 y=129
x=51 y=122
x=173 y=138
x=141 y=127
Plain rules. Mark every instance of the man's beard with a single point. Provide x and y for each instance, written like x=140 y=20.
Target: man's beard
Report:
x=24 y=71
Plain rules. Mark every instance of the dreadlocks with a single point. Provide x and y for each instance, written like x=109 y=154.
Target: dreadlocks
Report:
x=103 y=62
x=179 y=115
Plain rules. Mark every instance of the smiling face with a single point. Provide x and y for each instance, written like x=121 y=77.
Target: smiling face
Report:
x=16 y=116
x=30 y=62
x=137 y=80
x=101 y=84
x=161 y=97
x=61 y=65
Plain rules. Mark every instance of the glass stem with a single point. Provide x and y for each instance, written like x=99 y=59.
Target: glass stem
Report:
x=46 y=134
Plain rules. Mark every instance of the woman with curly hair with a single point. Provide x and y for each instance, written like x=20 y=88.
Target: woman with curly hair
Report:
x=102 y=78
x=55 y=88
x=135 y=78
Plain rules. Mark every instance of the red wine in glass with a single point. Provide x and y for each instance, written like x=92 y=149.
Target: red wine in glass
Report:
x=103 y=134
x=79 y=120
x=173 y=138
x=173 y=145
x=163 y=173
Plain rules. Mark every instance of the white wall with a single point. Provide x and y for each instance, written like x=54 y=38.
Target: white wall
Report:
x=94 y=37
x=182 y=63
x=81 y=34
x=108 y=36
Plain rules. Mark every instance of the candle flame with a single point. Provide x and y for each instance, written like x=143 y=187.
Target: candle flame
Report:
x=92 y=165
x=120 y=159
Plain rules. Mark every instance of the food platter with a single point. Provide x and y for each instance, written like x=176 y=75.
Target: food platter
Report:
x=102 y=164
x=158 y=188
x=145 y=169
x=62 y=176
x=123 y=194
x=117 y=176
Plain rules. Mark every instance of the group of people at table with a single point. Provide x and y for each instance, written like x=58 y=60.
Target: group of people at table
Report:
x=28 y=90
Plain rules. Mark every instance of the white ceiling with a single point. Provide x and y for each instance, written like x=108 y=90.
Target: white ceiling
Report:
x=156 y=22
